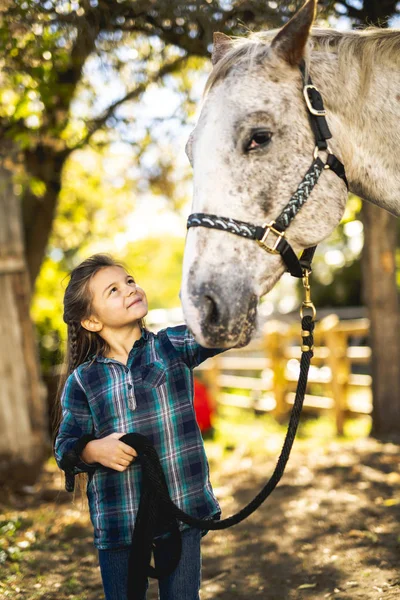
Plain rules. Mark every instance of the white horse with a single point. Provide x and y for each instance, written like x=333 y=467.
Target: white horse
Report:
x=253 y=144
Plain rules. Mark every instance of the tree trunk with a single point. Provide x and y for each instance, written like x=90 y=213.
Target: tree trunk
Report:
x=24 y=438
x=38 y=213
x=382 y=300
x=380 y=293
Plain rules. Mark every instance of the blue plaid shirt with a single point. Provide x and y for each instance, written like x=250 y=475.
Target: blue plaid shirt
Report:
x=151 y=395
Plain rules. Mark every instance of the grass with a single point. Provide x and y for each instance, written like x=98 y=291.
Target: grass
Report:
x=236 y=428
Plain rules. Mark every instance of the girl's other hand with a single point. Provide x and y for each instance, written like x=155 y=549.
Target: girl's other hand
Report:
x=109 y=452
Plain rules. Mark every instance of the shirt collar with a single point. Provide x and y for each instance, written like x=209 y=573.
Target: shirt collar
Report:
x=138 y=344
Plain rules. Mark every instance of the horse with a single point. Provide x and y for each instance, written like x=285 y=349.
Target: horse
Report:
x=253 y=143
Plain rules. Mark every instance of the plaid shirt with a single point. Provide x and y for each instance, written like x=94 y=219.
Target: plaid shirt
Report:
x=151 y=395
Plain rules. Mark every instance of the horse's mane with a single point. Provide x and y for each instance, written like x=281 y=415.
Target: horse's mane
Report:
x=368 y=46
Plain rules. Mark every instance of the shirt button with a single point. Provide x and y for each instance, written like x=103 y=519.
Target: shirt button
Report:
x=129 y=386
x=126 y=370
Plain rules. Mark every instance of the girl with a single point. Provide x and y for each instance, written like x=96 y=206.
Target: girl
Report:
x=123 y=378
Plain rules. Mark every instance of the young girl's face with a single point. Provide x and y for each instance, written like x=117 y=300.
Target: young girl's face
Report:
x=116 y=299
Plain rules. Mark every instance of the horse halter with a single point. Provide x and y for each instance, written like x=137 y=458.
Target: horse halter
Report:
x=262 y=234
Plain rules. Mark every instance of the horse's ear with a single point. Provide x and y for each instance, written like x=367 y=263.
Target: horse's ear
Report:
x=221 y=45
x=291 y=41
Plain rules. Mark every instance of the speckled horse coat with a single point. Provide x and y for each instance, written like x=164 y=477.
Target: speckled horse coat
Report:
x=253 y=144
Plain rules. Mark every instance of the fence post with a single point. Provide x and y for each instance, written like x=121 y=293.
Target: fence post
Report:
x=336 y=342
x=274 y=342
x=211 y=376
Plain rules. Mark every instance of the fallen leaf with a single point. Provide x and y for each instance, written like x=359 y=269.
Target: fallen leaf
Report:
x=391 y=502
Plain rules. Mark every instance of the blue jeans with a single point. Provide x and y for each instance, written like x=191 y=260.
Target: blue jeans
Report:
x=182 y=584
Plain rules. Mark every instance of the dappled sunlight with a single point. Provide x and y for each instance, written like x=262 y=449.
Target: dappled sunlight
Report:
x=331 y=523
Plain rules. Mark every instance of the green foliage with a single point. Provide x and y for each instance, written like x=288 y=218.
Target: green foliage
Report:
x=155 y=263
x=157 y=267
x=96 y=201
x=336 y=279
x=344 y=290
x=8 y=533
x=238 y=429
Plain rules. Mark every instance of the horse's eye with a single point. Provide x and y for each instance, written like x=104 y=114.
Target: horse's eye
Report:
x=259 y=139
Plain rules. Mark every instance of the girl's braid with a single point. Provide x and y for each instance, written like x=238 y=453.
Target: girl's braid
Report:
x=73 y=329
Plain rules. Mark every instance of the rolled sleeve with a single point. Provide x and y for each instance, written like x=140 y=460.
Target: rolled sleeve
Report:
x=192 y=353
x=76 y=430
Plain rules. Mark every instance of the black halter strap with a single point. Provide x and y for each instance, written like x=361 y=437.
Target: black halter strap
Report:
x=271 y=236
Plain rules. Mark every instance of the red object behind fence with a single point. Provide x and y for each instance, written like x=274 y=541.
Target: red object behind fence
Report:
x=203 y=405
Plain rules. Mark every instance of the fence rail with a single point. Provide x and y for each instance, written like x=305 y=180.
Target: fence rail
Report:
x=263 y=375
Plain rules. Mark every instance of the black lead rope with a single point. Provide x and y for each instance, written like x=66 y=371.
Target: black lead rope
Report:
x=158 y=512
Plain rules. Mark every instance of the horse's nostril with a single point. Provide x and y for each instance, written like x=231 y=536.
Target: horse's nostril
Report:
x=212 y=310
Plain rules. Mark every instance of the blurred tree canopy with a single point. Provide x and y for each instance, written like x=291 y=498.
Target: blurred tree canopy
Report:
x=51 y=105
x=87 y=222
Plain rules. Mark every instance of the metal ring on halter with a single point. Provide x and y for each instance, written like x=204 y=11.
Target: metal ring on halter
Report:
x=311 y=306
x=317 y=151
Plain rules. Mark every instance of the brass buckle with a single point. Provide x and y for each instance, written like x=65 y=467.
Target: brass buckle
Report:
x=313 y=111
x=270 y=228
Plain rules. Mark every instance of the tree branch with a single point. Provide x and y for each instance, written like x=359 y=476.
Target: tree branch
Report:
x=96 y=124
x=372 y=12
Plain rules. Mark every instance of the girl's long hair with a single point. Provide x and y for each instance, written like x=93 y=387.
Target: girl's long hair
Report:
x=81 y=343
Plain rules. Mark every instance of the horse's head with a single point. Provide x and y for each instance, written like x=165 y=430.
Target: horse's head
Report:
x=250 y=149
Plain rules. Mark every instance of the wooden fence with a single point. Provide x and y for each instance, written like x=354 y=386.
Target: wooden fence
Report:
x=263 y=375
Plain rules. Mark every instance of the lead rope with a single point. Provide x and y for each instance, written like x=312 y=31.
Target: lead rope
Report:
x=156 y=509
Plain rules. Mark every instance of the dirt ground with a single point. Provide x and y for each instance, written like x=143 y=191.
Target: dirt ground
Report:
x=330 y=530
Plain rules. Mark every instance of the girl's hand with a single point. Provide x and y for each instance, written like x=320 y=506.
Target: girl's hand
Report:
x=109 y=452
